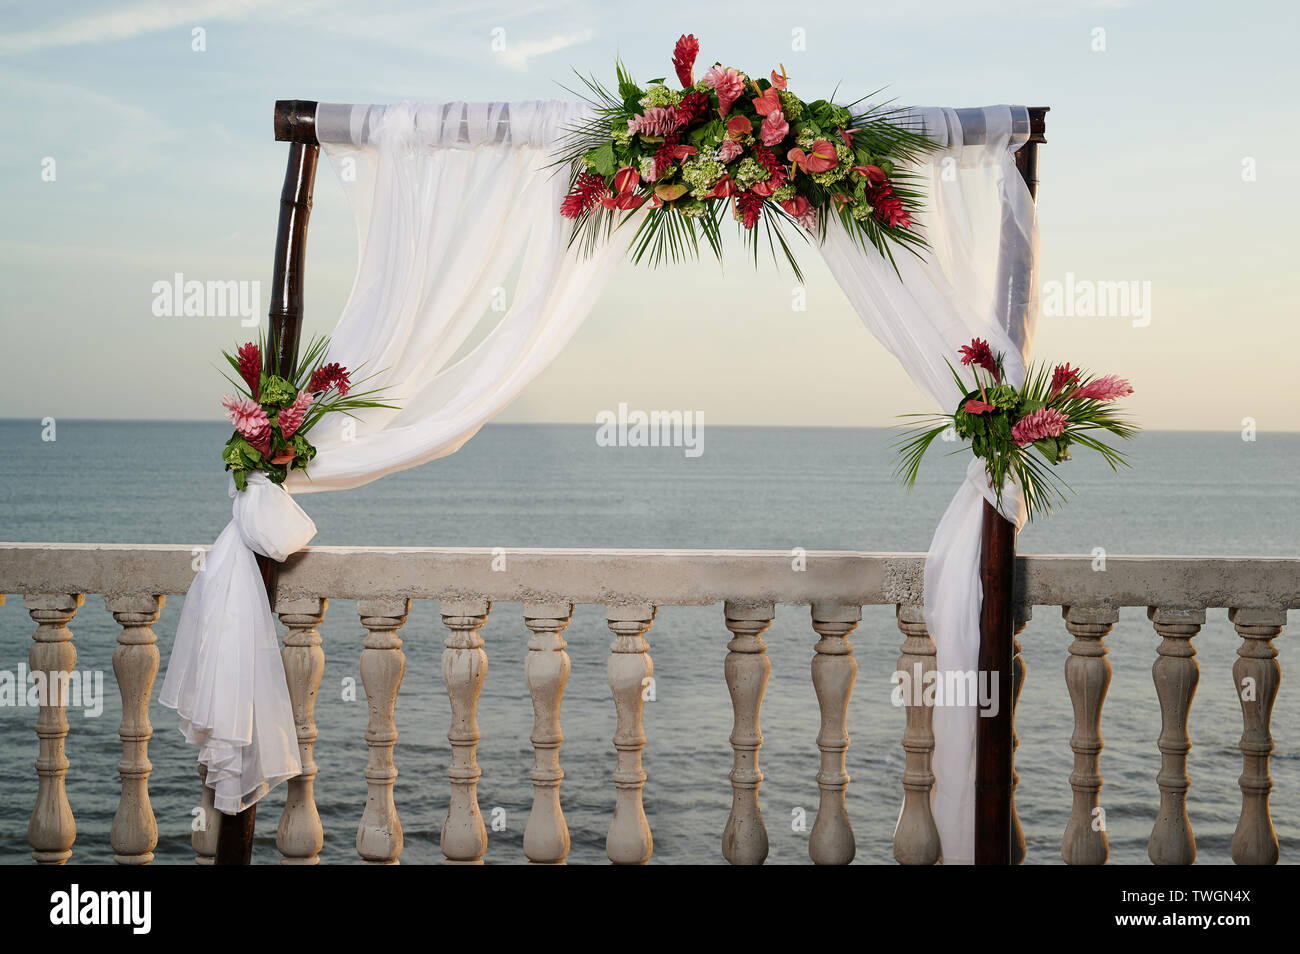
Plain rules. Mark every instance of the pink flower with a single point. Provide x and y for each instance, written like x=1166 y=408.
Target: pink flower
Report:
x=738 y=127
x=1034 y=426
x=655 y=121
x=291 y=417
x=801 y=210
x=1109 y=388
x=873 y=174
x=774 y=128
x=822 y=158
x=723 y=188
x=247 y=416
x=978 y=407
x=728 y=150
x=727 y=84
x=979 y=353
x=779 y=79
x=767 y=102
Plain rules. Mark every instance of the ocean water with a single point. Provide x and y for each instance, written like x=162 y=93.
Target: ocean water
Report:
x=551 y=485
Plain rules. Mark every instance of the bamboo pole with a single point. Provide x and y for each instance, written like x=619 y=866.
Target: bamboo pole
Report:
x=294 y=123
x=995 y=830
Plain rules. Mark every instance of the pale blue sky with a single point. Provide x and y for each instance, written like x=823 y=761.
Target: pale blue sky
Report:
x=165 y=163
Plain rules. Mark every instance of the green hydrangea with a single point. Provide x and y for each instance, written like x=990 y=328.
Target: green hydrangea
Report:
x=691 y=208
x=700 y=175
x=841 y=117
x=862 y=210
x=790 y=105
x=784 y=194
x=277 y=390
x=748 y=172
x=660 y=95
x=621 y=136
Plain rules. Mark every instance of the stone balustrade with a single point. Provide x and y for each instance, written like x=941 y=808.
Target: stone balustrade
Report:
x=53 y=580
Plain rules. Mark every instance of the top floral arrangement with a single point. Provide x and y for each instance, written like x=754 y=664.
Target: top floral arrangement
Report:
x=729 y=140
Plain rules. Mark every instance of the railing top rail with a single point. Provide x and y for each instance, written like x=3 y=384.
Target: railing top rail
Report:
x=662 y=577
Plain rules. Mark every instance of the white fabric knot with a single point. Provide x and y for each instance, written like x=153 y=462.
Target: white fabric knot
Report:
x=225 y=678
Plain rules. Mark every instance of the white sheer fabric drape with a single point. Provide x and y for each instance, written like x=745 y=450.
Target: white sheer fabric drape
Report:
x=976 y=280
x=457 y=209
x=453 y=201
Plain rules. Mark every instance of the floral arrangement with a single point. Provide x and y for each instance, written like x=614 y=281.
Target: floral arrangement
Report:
x=729 y=141
x=272 y=414
x=1015 y=430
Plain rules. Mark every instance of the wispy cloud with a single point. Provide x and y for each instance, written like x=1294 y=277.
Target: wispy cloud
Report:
x=127 y=22
x=516 y=55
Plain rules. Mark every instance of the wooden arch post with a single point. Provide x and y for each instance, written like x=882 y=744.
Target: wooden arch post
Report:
x=295 y=123
x=998 y=838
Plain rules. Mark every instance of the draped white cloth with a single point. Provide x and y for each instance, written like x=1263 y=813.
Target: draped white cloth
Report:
x=225 y=678
x=976 y=280
x=452 y=201
x=457 y=210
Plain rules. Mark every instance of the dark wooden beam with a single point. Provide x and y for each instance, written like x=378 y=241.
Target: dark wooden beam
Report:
x=295 y=123
x=996 y=834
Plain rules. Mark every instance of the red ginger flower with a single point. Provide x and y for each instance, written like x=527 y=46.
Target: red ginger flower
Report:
x=587 y=190
x=979 y=353
x=250 y=368
x=1109 y=388
x=1063 y=377
x=772 y=164
x=693 y=106
x=1034 y=426
x=684 y=54
x=748 y=207
x=329 y=376
x=888 y=208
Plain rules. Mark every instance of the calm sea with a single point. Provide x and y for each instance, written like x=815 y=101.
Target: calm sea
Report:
x=552 y=486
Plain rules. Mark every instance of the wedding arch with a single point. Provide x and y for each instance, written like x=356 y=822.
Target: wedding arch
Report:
x=449 y=197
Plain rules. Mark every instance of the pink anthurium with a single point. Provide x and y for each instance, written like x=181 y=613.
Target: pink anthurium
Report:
x=822 y=158
x=767 y=102
x=778 y=80
x=724 y=187
x=738 y=126
x=874 y=174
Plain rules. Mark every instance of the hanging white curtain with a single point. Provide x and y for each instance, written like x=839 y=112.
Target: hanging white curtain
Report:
x=976 y=280
x=457 y=207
